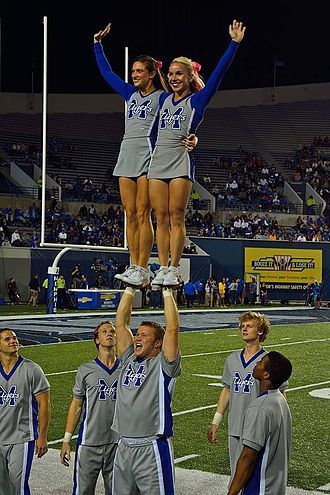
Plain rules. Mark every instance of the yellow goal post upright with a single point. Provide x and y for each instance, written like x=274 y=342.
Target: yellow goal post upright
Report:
x=53 y=271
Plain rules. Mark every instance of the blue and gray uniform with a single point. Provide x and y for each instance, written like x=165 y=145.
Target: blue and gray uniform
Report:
x=141 y=121
x=96 y=385
x=180 y=118
x=243 y=388
x=143 y=419
x=19 y=423
x=267 y=429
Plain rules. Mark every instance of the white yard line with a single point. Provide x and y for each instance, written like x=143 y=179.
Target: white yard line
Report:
x=60 y=373
x=213 y=352
x=185 y=458
x=197 y=409
x=270 y=345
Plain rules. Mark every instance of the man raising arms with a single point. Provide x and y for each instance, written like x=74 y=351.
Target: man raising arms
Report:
x=143 y=418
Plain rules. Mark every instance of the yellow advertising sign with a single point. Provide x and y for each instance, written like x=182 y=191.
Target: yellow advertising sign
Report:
x=284 y=266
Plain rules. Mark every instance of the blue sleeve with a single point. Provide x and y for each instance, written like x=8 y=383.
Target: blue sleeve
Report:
x=124 y=89
x=203 y=97
x=162 y=98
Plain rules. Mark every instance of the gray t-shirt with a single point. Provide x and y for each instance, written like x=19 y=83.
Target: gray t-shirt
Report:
x=267 y=429
x=145 y=390
x=97 y=386
x=18 y=403
x=237 y=376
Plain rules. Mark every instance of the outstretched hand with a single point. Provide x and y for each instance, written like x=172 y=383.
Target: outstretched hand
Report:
x=101 y=34
x=236 y=31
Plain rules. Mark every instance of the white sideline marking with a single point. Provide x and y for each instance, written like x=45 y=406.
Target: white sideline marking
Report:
x=285 y=338
x=53 y=442
x=60 y=373
x=197 y=409
x=271 y=345
x=185 y=458
x=326 y=487
x=209 y=333
x=211 y=353
x=208 y=376
x=111 y=314
x=306 y=386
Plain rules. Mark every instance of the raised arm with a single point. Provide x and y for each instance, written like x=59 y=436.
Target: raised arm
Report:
x=73 y=416
x=222 y=407
x=43 y=400
x=120 y=86
x=171 y=338
x=201 y=99
x=123 y=318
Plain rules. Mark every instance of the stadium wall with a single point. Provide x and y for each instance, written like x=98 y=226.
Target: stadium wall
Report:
x=229 y=258
x=100 y=103
x=23 y=263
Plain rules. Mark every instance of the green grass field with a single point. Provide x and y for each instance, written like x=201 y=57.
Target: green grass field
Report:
x=204 y=353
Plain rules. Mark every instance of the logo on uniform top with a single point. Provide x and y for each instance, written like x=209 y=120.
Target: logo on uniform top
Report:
x=134 y=375
x=174 y=120
x=140 y=110
x=243 y=384
x=105 y=390
x=10 y=397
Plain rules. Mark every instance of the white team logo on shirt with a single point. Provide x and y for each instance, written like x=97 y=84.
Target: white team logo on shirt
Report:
x=174 y=120
x=105 y=390
x=140 y=110
x=134 y=376
x=243 y=384
x=10 y=397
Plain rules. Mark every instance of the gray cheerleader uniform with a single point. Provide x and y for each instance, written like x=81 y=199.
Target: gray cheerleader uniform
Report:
x=96 y=385
x=19 y=423
x=180 y=118
x=267 y=429
x=143 y=418
x=243 y=388
x=141 y=121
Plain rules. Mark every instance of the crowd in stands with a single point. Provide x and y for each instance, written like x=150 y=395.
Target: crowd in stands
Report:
x=312 y=165
x=88 y=227
x=86 y=190
x=77 y=189
x=250 y=226
x=251 y=183
x=18 y=227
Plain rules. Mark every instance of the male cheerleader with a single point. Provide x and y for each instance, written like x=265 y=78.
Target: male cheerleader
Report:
x=265 y=442
x=94 y=391
x=240 y=387
x=143 y=418
x=24 y=415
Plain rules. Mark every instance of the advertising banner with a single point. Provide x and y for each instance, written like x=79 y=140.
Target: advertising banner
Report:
x=284 y=268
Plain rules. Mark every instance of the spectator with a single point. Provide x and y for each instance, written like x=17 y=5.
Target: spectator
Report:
x=311 y=205
x=13 y=294
x=34 y=286
x=16 y=240
x=62 y=299
x=253 y=290
x=263 y=294
x=189 y=293
x=76 y=275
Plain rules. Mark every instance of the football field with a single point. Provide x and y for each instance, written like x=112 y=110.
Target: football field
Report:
x=197 y=390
